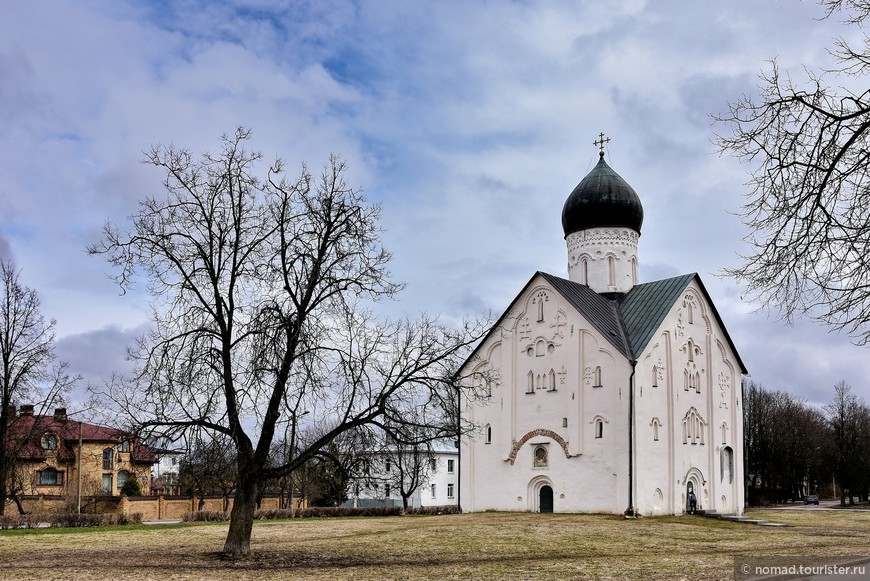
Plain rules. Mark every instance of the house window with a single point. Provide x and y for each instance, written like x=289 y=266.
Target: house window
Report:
x=432 y=489
x=123 y=475
x=49 y=442
x=108 y=459
x=124 y=446
x=488 y=439
x=433 y=464
x=450 y=491
x=450 y=466
x=49 y=477
x=387 y=490
x=387 y=465
x=107 y=483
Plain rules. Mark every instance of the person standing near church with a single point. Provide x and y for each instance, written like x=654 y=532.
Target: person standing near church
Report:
x=693 y=503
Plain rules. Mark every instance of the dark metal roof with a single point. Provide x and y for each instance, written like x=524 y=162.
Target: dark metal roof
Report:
x=602 y=198
x=646 y=305
x=627 y=321
x=602 y=313
x=630 y=321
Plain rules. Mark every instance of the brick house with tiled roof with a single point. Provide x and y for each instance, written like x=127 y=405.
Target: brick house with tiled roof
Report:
x=52 y=451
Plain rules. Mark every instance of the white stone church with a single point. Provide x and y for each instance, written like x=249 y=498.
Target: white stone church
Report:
x=605 y=394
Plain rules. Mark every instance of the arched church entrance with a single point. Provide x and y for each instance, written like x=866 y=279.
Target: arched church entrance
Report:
x=694 y=487
x=691 y=497
x=545 y=499
x=540 y=494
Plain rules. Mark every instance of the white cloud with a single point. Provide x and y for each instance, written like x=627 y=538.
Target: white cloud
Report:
x=469 y=121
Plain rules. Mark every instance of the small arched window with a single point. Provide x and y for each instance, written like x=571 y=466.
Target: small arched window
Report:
x=727 y=467
x=530 y=388
x=123 y=475
x=49 y=442
x=597 y=382
x=655 y=376
x=584 y=269
x=108 y=459
x=633 y=270
x=551 y=380
x=488 y=431
x=599 y=428
x=690 y=347
x=611 y=271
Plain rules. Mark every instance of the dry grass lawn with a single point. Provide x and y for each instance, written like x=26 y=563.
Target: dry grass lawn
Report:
x=471 y=546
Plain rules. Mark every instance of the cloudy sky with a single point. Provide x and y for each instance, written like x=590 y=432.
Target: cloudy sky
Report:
x=469 y=121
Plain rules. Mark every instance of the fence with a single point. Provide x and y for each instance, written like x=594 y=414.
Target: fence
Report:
x=151 y=507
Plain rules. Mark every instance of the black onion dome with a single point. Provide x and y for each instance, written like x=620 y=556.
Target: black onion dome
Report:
x=602 y=198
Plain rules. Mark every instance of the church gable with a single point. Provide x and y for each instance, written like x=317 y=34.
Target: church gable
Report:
x=646 y=306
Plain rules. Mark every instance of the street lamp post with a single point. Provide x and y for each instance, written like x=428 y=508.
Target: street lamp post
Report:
x=79 y=471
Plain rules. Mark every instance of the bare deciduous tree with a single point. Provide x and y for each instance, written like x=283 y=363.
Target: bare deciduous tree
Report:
x=208 y=468
x=849 y=418
x=28 y=369
x=808 y=206
x=258 y=289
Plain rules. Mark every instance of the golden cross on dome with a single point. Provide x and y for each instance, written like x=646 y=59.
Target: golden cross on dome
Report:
x=600 y=143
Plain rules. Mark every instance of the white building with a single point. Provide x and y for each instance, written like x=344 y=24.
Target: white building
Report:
x=378 y=484
x=605 y=394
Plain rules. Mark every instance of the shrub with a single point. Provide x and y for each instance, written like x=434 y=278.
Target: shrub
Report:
x=74 y=520
x=132 y=487
x=445 y=509
x=19 y=521
x=206 y=516
x=328 y=511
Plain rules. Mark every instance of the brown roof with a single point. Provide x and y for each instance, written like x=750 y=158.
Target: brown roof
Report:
x=27 y=431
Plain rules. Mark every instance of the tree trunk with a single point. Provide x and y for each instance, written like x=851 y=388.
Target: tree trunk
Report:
x=2 y=493
x=238 y=543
